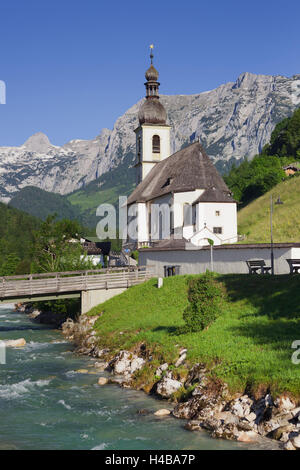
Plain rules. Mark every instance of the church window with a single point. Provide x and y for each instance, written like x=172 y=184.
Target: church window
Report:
x=139 y=146
x=171 y=220
x=187 y=214
x=156 y=144
x=194 y=217
x=167 y=183
x=217 y=213
x=149 y=219
x=218 y=230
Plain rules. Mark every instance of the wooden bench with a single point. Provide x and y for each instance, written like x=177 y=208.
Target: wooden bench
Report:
x=294 y=265
x=258 y=266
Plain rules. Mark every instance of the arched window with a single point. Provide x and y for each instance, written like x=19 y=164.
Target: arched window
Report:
x=139 y=147
x=156 y=144
x=187 y=215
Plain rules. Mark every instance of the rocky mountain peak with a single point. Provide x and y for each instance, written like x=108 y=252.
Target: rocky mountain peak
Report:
x=38 y=143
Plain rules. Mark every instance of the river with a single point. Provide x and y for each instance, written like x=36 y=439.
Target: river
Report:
x=46 y=404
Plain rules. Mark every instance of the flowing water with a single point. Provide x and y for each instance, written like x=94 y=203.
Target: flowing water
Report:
x=46 y=404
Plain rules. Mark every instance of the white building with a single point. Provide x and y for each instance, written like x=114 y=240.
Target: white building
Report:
x=180 y=196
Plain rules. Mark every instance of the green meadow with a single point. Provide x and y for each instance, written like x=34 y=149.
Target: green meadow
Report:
x=248 y=346
x=254 y=219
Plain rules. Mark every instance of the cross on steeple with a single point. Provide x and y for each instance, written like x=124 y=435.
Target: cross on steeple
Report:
x=151 y=53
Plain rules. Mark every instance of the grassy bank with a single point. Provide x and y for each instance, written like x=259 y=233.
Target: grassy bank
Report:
x=254 y=219
x=248 y=346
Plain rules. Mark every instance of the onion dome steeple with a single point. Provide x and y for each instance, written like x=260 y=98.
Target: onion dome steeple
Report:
x=152 y=111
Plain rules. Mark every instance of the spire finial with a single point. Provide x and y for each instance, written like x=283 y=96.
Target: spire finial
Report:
x=151 y=53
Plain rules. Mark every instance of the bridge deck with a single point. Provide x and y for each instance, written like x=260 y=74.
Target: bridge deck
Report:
x=73 y=281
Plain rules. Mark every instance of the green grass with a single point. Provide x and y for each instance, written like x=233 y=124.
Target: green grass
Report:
x=254 y=219
x=248 y=346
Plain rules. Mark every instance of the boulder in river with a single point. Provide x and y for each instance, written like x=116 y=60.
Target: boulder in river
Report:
x=102 y=381
x=15 y=343
x=162 y=412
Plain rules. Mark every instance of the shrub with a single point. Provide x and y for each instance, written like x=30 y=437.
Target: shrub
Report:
x=135 y=255
x=205 y=295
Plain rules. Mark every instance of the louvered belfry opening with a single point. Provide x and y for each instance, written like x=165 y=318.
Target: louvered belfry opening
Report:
x=156 y=144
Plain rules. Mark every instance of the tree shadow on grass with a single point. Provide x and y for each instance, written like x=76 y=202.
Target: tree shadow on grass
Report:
x=171 y=330
x=275 y=335
x=273 y=296
x=277 y=298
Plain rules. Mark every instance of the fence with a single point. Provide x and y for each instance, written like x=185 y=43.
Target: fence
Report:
x=73 y=281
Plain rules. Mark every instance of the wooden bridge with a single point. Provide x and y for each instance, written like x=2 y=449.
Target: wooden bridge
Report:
x=94 y=286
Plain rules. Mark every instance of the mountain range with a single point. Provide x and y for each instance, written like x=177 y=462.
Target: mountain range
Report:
x=233 y=121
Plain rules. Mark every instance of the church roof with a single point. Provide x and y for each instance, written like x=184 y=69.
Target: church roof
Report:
x=186 y=170
x=151 y=74
x=215 y=195
x=152 y=112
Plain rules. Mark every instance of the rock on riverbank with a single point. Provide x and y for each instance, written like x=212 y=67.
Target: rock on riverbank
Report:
x=209 y=405
x=14 y=343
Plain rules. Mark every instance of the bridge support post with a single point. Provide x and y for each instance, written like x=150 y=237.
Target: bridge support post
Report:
x=91 y=298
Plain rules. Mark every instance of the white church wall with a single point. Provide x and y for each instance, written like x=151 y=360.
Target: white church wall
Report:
x=295 y=253
x=201 y=238
x=225 y=260
x=146 y=168
x=143 y=231
x=167 y=200
x=180 y=199
x=148 y=132
x=137 y=223
x=227 y=219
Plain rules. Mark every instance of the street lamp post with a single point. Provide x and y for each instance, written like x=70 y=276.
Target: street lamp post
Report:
x=278 y=202
x=211 y=242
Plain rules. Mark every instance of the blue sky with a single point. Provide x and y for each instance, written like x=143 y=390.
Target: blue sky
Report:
x=73 y=67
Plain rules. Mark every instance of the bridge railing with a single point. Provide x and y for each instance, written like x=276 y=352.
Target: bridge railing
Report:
x=71 y=281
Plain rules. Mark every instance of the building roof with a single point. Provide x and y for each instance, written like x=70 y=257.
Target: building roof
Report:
x=184 y=245
x=152 y=112
x=186 y=170
x=294 y=165
x=151 y=74
x=215 y=195
x=94 y=243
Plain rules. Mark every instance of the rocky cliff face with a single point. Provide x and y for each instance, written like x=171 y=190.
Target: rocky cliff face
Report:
x=233 y=121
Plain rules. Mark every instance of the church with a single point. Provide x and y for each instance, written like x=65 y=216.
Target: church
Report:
x=180 y=199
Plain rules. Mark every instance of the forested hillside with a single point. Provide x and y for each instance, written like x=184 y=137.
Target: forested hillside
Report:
x=80 y=205
x=16 y=238
x=40 y=203
x=253 y=179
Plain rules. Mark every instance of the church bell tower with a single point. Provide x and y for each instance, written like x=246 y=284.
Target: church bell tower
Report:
x=153 y=133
